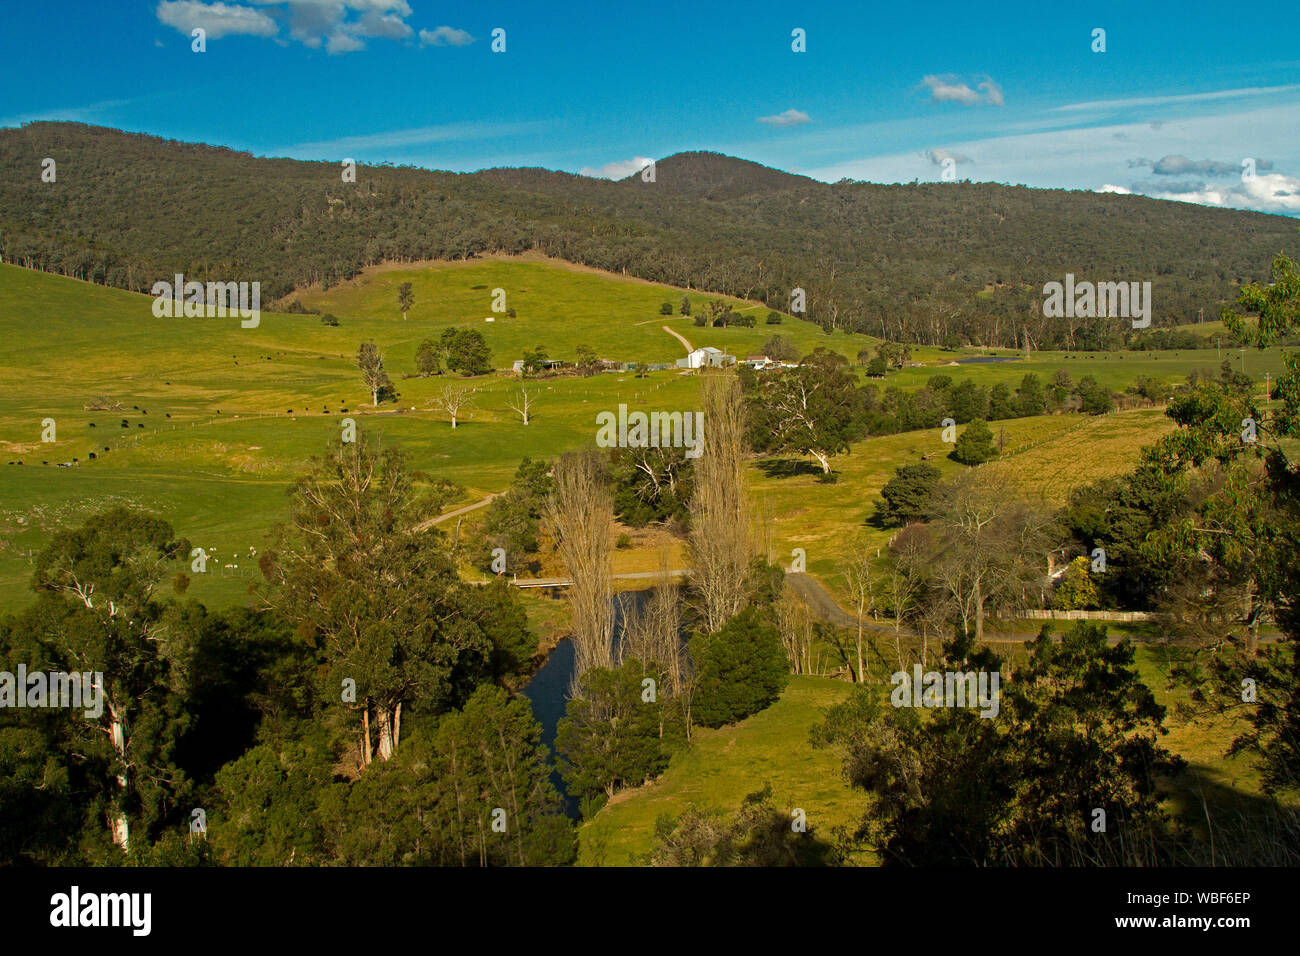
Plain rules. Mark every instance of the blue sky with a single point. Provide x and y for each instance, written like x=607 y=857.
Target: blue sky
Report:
x=884 y=92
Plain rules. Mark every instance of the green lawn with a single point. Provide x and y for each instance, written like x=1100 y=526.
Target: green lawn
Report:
x=723 y=766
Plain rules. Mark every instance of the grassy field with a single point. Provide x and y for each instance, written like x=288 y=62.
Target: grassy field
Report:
x=559 y=306
x=772 y=747
x=216 y=420
x=1041 y=458
x=723 y=766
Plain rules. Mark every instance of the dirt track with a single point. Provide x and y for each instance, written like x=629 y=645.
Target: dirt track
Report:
x=456 y=513
x=826 y=608
x=680 y=338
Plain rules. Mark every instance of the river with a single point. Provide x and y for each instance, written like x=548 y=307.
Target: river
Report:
x=548 y=691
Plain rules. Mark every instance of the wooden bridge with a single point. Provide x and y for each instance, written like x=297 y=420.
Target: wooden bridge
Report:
x=568 y=582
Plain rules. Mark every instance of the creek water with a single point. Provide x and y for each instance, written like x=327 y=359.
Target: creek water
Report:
x=548 y=691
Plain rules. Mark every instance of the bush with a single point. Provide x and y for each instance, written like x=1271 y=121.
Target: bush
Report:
x=609 y=737
x=779 y=348
x=740 y=670
x=329 y=320
x=666 y=309
x=774 y=318
x=1094 y=399
x=975 y=446
x=906 y=496
x=624 y=541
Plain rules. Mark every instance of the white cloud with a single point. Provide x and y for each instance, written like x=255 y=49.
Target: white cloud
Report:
x=216 y=19
x=1181 y=98
x=340 y=26
x=1093 y=157
x=385 y=25
x=1176 y=165
x=619 y=169
x=340 y=41
x=417 y=136
x=937 y=156
x=947 y=88
x=1264 y=192
x=788 y=118
x=992 y=92
x=445 y=36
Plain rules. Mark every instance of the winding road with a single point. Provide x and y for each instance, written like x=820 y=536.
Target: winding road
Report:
x=455 y=513
x=680 y=338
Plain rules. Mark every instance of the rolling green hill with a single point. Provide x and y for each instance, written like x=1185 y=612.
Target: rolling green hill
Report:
x=220 y=419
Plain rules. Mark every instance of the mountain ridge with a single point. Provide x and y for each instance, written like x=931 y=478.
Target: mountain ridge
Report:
x=921 y=262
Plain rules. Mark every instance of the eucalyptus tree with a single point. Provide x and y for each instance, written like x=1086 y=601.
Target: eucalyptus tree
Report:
x=378 y=598
x=101 y=616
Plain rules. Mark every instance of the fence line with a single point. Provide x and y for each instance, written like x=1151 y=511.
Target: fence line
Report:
x=1035 y=614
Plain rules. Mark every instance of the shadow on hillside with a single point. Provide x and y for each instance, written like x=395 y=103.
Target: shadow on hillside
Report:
x=879 y=521
x=788 y=468
x=1247 y=828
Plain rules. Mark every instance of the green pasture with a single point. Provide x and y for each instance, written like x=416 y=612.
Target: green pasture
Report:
x=557 y=306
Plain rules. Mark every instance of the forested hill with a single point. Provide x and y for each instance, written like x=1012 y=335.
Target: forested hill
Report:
x=923 y=262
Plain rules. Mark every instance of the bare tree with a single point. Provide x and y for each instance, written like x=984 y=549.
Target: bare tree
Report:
x=371 y=363
x=652 y=632
x=991 y=545
x=911 y=551
x=794 y=621
x=900 y=593
x=860 y=581
x=580 y=512
x=524 y=405
x=763 y=528
x=453 y=399
x=719 y=544
x=652 y=635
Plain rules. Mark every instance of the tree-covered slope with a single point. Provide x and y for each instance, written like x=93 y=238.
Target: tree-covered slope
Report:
x=925 y=262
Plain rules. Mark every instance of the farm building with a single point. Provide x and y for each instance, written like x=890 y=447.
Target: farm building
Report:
x=706 y=357
x=550 y=365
